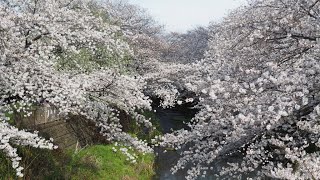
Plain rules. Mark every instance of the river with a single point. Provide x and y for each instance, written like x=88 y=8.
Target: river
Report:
x=172 y=119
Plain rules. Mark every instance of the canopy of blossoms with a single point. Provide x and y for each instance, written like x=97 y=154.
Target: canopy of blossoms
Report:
x=256 y=86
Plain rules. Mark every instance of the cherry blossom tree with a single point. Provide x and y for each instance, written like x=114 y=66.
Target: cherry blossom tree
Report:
x=141 y=31
x=44 y=47
x=259 y=95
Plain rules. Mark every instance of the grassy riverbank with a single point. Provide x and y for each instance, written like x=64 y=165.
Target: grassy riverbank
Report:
x=101 y=162
x=94 y=162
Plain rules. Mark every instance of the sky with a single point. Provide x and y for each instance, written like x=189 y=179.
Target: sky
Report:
x=182 y=15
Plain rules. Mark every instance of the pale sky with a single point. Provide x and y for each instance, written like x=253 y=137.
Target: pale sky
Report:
x=182 y=15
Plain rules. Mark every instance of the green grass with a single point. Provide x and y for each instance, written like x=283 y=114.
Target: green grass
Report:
x=37 y=164
x=6 y=171
x=100 y=162
x=94 y=162
x=10 y=116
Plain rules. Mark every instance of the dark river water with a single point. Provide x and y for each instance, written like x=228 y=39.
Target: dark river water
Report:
x=169 y=119
x=172 y=119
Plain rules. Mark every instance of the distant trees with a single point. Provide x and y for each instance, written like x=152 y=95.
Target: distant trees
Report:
x=132 y=19
x=140 y=30
x=187 y=47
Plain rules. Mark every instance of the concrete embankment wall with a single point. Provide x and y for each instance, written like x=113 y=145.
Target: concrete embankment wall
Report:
x=71 y=133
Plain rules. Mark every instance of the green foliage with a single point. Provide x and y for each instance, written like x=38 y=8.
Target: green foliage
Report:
x=87 y=60
x=10 y=117
x=101 y=162
x=94 y=56
x=100 y=13
x=136 y=130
